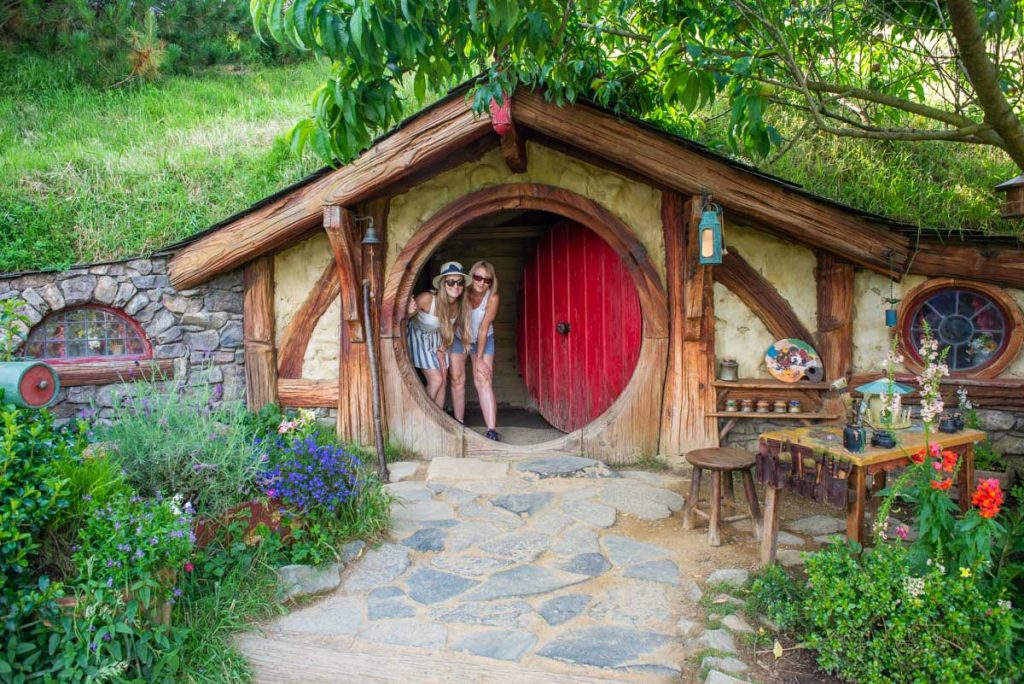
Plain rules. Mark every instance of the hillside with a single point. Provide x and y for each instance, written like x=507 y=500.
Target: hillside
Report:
x=88 y=174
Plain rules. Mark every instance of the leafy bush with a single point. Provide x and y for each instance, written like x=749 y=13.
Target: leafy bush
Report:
x=173 y=441
x=774 y=594
x=872 y=619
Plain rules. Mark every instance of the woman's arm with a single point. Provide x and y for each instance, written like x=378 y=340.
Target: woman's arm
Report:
x=481 y=335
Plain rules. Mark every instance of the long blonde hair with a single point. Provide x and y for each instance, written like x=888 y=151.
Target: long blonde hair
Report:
x=448 y=308
x=466 y=307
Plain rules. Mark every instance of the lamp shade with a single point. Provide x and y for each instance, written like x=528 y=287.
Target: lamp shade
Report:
x=882 y=387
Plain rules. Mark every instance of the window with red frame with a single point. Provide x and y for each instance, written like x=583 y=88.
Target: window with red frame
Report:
x=87 y=333
x=967 y=322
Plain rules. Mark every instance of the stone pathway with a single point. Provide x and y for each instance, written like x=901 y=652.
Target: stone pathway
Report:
x=532 y=570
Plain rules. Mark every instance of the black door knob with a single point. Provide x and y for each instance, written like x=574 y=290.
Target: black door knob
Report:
x=563 y=328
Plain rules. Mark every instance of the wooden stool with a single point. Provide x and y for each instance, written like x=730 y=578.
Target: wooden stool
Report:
x=721 y=461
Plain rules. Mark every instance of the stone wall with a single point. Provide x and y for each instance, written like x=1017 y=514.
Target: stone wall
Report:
x=200 y=329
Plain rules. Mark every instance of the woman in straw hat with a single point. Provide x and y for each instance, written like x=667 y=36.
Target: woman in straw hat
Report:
x=433 y=317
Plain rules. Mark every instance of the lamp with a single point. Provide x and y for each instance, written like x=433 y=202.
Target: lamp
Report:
x=709 y=233
x=873 y=392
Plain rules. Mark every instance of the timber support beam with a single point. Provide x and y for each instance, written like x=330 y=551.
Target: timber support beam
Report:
x=258 y=333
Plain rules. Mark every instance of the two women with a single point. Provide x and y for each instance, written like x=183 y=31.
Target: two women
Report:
x=448 y=322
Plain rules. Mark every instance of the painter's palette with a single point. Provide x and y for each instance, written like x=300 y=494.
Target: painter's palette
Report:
x=788 y=359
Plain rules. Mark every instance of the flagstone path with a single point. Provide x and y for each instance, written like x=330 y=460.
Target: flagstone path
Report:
x=542 y=569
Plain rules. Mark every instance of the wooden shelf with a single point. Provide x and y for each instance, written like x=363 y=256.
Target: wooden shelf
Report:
x=768 y=384
x=771 y=415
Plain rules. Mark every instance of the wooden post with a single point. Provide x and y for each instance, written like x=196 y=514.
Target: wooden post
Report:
x=834 y=278
x=355 y=408
x=258 y=329
x=689 y=389
x=373 y=268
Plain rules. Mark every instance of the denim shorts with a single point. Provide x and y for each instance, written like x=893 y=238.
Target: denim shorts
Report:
x=457 y=347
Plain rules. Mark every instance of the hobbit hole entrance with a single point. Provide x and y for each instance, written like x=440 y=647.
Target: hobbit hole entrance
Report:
x=568 y=330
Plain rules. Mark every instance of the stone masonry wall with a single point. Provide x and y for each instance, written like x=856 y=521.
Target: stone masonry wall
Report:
x=200 y=328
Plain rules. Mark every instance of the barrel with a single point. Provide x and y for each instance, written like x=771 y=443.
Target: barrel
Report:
x=28 y=384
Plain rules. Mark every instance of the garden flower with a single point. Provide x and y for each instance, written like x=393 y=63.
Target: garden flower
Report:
x=902 y=531
x=942 y=485
x=988 y=497
x=189 y=567
x=919 y=456
x=965 y=572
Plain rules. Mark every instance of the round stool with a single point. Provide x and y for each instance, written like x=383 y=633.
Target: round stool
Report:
x=721 y=460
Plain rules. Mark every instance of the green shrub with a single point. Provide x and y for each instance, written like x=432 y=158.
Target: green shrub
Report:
x=174 y=441
x=774 y=594
x=872 y=620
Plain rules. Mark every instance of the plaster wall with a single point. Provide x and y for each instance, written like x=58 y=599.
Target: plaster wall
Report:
x=740 y=334
x=638 y=205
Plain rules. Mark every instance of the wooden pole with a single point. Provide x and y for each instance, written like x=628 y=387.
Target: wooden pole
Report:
x=258 y=333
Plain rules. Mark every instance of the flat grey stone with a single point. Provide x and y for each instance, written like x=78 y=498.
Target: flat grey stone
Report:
x=483 y=487
x=519 y=546
x=653 y=668
x=817 y=524
x=735 y=577
x=557 y=466
x=725 y=598
x=576 y=541
x=693 y=591
x=730 y=664
x=497 y=516
x=471 y=566
x=789 y=557
x=341 y=616
x=444 y=524
x=453 y=494
x=592 y=564
x=786 y=539
x=503 y=644
x=687 y=627
x=422 y=510
x=467 y=534
x=429 y=539
x=528 y=503
x=737 y=624
x=391 y=608
x=664 y=571
x=378 y=567
x=551 y=522
x=305 y=580
x=718 y=639
x=382 y=593
x=642 y=604
x=494 y=613
x=561 y=609
x=352 y=550
x=406 y=633
x=604 y=646
x=716 y=677
x=409 y=491
x=525 y=580
x=400 y=470
x=434 y=586
x=625 y=551
x=644 y=476
x=642 y=501
x=591 y=513
x=448 y=468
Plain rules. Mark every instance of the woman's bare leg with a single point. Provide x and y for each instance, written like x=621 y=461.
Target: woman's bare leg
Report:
x=435 y=385
x=457 y=375
x=482 y=377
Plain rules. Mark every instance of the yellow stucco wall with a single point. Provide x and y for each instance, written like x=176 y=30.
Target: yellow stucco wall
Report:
x=638 y=205
x=740 y=334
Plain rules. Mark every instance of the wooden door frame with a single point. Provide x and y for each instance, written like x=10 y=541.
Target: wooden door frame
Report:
x=634 y=417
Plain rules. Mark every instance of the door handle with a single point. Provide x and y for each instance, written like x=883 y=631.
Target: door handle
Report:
x=563 y=328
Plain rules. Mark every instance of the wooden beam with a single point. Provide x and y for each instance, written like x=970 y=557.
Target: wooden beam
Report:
x=295 y=338
x=258 y=330
x=307 y=393
x=1004 y=394
x=340 y=226
x=802 y=218
x=1000 y=265
x=673 y=224
x=373 y=257
x=760 y=296
x=513 y=150
x=427 y=139
x=834 y=281
x=108 y=372
x=697 y=278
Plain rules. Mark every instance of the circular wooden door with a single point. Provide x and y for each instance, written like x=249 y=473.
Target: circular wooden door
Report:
x=579 y=326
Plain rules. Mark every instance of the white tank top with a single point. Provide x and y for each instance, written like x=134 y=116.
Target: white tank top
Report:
x=428 y=322
x=476 y=317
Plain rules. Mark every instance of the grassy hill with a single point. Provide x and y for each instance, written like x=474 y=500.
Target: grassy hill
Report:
x=88 y=174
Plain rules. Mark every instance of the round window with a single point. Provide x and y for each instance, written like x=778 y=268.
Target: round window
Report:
x=972 y=325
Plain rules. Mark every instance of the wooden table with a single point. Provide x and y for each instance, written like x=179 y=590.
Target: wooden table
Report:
x=828 y=440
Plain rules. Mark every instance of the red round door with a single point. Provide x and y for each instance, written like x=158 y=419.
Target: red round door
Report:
x=579 y=326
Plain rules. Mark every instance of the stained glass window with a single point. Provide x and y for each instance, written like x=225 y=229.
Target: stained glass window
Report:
x=967 y=322
x=86 y=333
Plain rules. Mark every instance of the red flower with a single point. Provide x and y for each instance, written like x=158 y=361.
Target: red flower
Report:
x=949 y=459
x=988 y=497
x=189 y=567
x=919 y=456
x=942 y=485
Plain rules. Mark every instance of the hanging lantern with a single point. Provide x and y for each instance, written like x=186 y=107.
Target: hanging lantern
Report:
x=1014 y=206
x=892 y=313
x=710 y=233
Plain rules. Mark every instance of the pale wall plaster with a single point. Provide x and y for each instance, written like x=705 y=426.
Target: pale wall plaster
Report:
x=638 y=205
x=740 y=334
x=296 y=272
x=321 y=359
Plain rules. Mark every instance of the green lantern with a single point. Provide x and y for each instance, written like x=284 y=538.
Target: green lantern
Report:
x=710 y=234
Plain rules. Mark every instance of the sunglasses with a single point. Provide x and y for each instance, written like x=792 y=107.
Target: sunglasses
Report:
x=455 y=283
x=481 y=279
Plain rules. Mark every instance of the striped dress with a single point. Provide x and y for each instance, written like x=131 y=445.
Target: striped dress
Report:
x=424 y=337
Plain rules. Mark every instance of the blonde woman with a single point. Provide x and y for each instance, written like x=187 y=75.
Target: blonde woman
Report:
x=481 y=306
x=431 y=331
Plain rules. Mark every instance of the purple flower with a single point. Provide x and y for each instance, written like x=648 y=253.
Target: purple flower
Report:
x=176 y=591
x=110 y=581
x=86 y=497
x=107 y=637
x=152 y=541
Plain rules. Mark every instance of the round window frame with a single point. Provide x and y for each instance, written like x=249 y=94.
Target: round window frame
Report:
x=1007 y=307
x=146 y=355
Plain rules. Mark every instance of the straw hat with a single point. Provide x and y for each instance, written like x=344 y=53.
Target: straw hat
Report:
x=447 y=269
